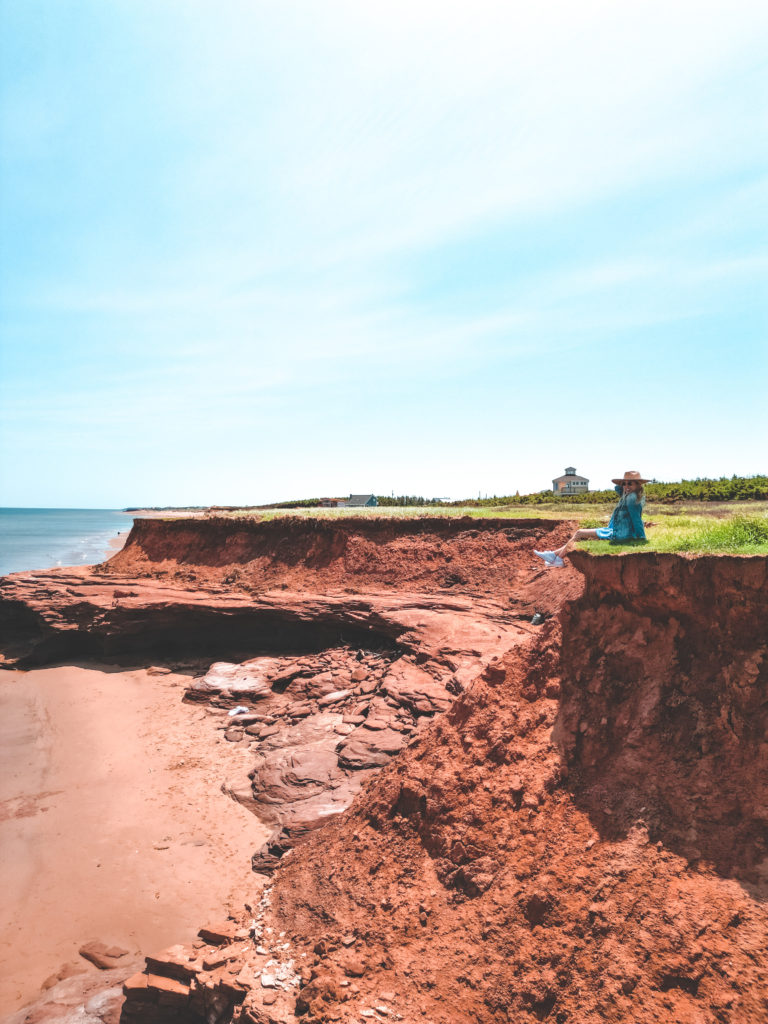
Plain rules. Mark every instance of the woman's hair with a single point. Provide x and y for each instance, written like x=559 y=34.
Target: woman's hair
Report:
x=640 y=492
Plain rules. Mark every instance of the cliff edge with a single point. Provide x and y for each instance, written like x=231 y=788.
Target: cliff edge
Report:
x=581 y=837
x=572 y=825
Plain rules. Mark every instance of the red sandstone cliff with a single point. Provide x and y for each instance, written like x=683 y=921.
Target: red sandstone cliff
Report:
x=218 y=585
x=582 y=836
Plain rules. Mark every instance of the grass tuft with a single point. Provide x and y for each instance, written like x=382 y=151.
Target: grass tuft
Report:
x=744 y=533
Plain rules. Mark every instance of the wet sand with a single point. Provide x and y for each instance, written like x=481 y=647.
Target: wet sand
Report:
x=113 y=825
x=117 y=543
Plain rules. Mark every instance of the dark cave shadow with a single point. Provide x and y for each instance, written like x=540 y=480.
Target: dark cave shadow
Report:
x=175 y=634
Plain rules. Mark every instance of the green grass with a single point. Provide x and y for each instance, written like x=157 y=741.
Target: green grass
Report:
x=693 y=527
x=740 y=533
x=426 y=512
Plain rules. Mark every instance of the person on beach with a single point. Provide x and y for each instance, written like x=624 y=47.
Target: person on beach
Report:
x=626 y=521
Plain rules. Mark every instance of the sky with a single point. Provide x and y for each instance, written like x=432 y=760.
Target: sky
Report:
x=255 y=251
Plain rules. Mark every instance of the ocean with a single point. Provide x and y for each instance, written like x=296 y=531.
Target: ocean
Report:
x=43 y=538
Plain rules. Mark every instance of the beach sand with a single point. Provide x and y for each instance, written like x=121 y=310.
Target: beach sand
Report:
x=117 y=543
x=113 y=825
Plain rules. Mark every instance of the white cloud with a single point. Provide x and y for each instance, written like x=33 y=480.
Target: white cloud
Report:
x=305 y=167
x=397 y=124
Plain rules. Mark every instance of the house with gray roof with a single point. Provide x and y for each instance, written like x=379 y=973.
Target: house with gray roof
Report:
x=362 y=501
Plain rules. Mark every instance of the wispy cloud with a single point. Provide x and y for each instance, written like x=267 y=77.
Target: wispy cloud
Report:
x=268 y=213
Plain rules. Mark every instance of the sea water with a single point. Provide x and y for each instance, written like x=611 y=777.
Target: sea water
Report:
x=43 y=538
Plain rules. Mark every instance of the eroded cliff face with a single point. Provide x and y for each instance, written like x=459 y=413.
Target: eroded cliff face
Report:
x=292 y=552
x=218 y=586
x=580 y=838
x=665 y=703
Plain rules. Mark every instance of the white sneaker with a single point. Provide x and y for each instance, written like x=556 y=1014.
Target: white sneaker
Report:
x=553 y=560
x=548 y=556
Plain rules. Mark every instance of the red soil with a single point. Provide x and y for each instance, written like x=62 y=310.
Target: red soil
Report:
x=318 y=554
x=581 y=838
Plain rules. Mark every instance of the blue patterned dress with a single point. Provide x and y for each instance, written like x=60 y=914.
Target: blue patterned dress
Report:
x=627 y=519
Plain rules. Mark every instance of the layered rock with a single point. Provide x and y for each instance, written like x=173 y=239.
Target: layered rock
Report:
x=319 y=726
x=234 y=969
x=532 y=855
x=343 y=645
x=53 y=614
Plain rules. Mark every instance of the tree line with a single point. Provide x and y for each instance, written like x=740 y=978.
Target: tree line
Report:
x=733 y=488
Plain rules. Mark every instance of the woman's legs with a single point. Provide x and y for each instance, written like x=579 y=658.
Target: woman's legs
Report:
x=579 y=535
x=556 y=557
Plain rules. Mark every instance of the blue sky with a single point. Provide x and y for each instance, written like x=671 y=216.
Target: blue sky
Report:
x=256 y=250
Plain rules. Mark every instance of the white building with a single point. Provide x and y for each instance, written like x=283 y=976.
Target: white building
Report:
x=570 y=483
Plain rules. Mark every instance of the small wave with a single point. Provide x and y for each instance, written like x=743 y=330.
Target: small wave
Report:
x=89 y=551
x=40 y=538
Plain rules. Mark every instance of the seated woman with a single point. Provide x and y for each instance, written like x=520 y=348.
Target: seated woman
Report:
x=626 y=521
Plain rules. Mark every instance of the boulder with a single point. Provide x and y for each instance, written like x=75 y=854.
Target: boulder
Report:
x=220 y=934
x=416 y=689
x=246 y=680
x=367 y=748
x=102 y=956
x=296 y=774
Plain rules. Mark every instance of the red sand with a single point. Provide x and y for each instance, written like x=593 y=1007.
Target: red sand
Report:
x=112 y=822
x=579 y=839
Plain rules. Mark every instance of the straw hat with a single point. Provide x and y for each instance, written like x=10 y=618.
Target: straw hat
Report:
x=629 y=476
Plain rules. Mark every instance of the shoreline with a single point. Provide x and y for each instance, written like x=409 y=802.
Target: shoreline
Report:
x=53 y=539
x=113 y=825
x=117 y=543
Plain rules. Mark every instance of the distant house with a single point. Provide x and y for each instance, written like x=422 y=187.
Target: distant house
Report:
x=570 y=483
x=333 y=502
x=361 y=501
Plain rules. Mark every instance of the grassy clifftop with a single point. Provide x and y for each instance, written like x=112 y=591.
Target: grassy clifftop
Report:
x=695 y=527
x=734 y=533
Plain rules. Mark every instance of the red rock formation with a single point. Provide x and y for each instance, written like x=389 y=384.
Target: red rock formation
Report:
x=669 y=711
x=411 y=554
x=580 y=837
x=221 y=585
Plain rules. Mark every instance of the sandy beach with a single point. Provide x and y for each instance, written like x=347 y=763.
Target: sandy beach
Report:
x=113 y=825
x=117 y=542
